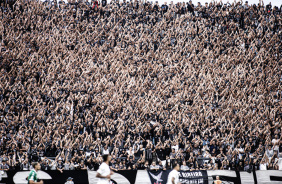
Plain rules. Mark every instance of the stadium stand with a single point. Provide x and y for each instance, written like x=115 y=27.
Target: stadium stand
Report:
x=146 y=83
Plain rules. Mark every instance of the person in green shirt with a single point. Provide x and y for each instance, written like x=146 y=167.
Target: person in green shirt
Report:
x=32 y=177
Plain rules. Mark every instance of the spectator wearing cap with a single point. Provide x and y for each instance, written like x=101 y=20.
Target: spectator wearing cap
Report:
x=69 y=180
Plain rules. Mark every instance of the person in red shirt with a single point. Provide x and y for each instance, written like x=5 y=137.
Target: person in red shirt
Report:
x=95 y=4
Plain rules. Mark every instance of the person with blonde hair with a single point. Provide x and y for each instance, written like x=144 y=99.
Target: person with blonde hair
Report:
x=217 y=180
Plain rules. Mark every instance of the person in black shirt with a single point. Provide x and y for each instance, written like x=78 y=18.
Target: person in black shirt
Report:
x=156 y=7
x=41 y=152
x=160 y=152
x=34 y=155
x=4 y=166
x=130 y=163
x=104 y=3
x=140 y=152
x=164 y=8
x=82 y=165
x=45 y=165
x=60 y=165
x=148 y=153
x=190 y=7
x=90 y=162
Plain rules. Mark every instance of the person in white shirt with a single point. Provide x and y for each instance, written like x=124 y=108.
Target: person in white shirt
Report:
x=130 y=152
x=275 y=143
x=269 y=152
x=106 y=150
x=175 y=146
x=184 y=166
x=280 y=164
x=104 y=173
x=207 y=155
x=173 y=177
x=264 y=163
x=240 y=150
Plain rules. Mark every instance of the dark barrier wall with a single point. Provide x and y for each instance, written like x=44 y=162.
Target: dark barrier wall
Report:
x=155 y=177
x=50 y=177
x=129 y=175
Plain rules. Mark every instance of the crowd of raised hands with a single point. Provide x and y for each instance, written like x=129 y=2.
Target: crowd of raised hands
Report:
x=146 y=83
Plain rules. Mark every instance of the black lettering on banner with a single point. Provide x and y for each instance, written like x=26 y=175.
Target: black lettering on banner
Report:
x=276 y=178
x=199 y=177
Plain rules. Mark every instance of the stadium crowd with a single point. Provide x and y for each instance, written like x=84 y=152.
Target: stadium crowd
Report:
x=143 y=82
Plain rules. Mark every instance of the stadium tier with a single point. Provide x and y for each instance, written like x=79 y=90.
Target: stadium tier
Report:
x=149 y=84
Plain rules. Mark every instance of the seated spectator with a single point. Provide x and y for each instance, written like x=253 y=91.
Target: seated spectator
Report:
x=60 y=165
x=4 y=166
x=154 y=166
x=45 y=164
x=172 y=154
x=184 y=166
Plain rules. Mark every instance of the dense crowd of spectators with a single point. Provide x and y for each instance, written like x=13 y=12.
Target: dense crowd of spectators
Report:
x=148 y=84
